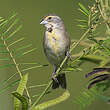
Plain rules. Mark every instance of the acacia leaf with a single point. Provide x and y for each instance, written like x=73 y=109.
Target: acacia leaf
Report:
x=14 y=32
x=52 y=102
x=11 y=84
x=20 y=90
x=83 y=9
x=22 y=99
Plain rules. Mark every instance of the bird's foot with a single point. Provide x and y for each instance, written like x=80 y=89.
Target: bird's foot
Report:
x=68 y=55
x=54 y=77
x=55 y=83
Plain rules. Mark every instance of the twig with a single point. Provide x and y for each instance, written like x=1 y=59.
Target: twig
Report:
x=100 y=10
x=103 y=16
x=58 y=70
x=16 y=67
x=42 y=85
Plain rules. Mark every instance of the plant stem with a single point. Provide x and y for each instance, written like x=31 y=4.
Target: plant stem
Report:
x=52 y=102
x=106 y=4
x=16 y=66
x=71 y=49
x=42 y=85
x=58 y=70
x=100 y=10
x=103 y=15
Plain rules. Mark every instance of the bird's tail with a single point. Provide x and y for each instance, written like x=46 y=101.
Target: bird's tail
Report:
x=60 y=81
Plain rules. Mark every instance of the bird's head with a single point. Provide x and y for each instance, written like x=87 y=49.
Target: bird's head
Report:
x=52 y=21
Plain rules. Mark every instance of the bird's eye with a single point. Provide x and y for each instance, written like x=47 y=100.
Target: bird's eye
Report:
x=50 y=18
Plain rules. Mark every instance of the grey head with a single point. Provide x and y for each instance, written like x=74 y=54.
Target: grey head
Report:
x=52 y=21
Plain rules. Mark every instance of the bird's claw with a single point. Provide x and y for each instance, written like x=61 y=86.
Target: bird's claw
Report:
x=68 y=55
x=54 y=78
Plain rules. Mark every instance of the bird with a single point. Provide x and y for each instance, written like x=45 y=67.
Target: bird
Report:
x=56 y=45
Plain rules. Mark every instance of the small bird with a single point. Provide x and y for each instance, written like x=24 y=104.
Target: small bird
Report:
x=56 y=44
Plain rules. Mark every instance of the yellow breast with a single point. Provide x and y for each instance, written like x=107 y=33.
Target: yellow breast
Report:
x=53 y=38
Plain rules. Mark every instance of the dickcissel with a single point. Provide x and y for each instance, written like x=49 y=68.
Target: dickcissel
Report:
x=56 y=44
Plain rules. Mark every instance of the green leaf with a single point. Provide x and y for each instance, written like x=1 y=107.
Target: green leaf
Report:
x=83 y=9
x=6 y=66
x=83 y=26
x=22 y=54
x=1 y=19
x=12 y=15
x=20 y=90
x=2 y=45
x=107 y=40
x=82 y=20
x=93 y=58
x=9 y=28
x=23 y=47
x=38 y=66
x=14 y=32
x=105 y=98
x=39 y=94
x=4 y=52
x=22 y=99
x=50 y=103
x=102 y=4
x=83 y=12
x=94 y=17
x=41 y=85
x=4 y=82
x=28 y=51
x=72 y=69
x=2 y=26
x=10 y=78
x=29 y=63
x=16 y=41
x=11 y=84
x=5 y=59
x=86 y=97
x=104 y=85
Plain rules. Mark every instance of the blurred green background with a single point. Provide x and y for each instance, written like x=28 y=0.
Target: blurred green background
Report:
x=30 y=13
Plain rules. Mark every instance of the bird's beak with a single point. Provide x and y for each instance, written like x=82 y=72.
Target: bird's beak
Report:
x=43 y=22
